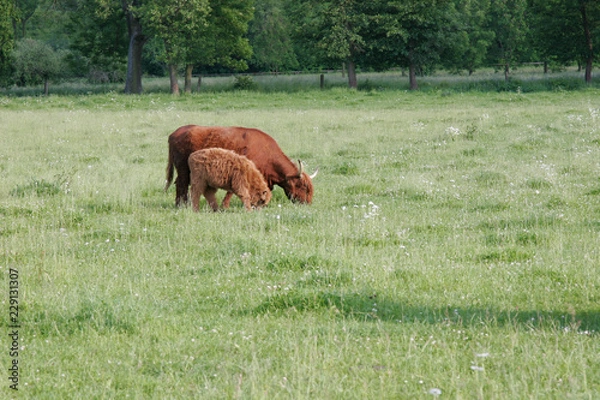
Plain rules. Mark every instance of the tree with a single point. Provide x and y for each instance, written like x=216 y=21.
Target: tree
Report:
x=99 y=40
x=415 y=34
x=222 y=40
x=587 y=8
x=305 y=18
x=565 y=31
x=336 y=29
x=6 y=40
x=342 y=39
x=24 y=10
x=507 y=19
x=270 y=37
x=180 y=25
x=36 y=62
x=176 y=23
x=137 y=39
x=469 y=53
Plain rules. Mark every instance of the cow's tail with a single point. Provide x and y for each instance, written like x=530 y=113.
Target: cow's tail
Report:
x=170 y=171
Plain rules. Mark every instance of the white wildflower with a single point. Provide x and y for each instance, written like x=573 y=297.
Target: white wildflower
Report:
x=452 y=131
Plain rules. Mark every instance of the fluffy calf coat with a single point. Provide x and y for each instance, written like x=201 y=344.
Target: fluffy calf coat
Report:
x=216 y=168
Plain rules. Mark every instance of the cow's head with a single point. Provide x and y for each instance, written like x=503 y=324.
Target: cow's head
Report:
x=299 y=187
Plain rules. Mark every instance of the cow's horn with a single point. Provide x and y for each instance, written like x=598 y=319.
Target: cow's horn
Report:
x=299 y=168
x=314 y=174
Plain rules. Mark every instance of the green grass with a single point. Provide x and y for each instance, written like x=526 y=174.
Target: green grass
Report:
x=452 y=245
x=523 y=79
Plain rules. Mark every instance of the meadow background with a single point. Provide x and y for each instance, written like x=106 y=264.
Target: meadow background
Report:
x=451 y=251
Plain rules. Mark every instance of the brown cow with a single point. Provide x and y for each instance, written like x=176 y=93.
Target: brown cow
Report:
x=215 y=168
x=259 y=147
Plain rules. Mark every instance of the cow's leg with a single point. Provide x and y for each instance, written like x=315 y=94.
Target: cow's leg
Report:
x=226 y=200
x=209 y=193
x=182 y=183
x=198 y=187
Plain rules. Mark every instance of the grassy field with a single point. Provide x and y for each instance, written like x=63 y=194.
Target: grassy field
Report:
x=452 y=250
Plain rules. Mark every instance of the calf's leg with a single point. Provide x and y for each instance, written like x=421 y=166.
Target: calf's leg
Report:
x=226 y=200
x=198 y=187
x=245 y=197
x=209 y=193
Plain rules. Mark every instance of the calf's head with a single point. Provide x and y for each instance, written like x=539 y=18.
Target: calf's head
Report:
x=260 y=198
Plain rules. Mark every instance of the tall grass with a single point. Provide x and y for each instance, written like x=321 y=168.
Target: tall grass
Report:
x=522 y=79
x=452 y=248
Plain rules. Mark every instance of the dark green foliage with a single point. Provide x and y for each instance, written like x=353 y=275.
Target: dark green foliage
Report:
x=565 y=31
x=222 y=41
x=244 y=82
x=419 y=36
x=6 y=42
x=99 y=52
x=36 y=62
x=269 y=35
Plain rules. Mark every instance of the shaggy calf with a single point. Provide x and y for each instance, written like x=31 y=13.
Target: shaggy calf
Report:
x=216 y=168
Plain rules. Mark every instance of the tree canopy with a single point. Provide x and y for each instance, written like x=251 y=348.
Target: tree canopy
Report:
x=6 y=40
x=36 y=62
x=108 y=40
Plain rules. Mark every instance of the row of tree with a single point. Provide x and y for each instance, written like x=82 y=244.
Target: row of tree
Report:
x=125 y=39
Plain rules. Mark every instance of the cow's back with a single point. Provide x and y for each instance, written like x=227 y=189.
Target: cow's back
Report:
x=255 y=144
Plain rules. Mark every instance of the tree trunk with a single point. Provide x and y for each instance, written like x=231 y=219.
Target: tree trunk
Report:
x=188 y=78
x=133 y=80
x=173 y=79
x=588 y=38
x=588 y=69
x=506 y=72
x=352 y=81
x=199 y=83
x=46 y=87
x=412 y=77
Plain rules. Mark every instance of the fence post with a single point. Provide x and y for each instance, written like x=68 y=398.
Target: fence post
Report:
x=322 y=81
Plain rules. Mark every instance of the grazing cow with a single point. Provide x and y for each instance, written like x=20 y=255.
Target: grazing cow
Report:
x=215 y=168
x=259 y=147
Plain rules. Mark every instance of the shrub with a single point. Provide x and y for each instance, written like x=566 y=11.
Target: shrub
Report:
x=244 y=82
x=37 y=62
